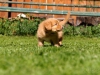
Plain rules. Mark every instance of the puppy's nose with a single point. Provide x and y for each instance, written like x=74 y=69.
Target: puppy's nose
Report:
x=59 y=28
x=62 y=27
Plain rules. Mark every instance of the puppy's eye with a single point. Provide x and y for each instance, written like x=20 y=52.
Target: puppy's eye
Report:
x=55 y=24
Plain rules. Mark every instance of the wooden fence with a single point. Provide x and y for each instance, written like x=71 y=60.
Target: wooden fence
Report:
x=74 y=2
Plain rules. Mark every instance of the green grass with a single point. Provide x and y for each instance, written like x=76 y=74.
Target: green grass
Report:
x=19 y=55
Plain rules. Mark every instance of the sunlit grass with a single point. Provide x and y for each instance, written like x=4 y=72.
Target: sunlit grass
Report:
x=19 y=55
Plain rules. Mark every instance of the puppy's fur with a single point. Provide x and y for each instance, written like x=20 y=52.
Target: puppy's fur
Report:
x=50 y=30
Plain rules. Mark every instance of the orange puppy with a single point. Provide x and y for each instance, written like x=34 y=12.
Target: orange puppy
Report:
x=50 y=30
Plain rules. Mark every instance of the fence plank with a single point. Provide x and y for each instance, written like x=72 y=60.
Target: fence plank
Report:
x=50 y=8
x=97 y=3
x=82 y=2
x=90 y=3
x=3 y=14
x=67 y=2
x=27 y=6
x=59 y=8
x=42 y=7
x=13 y=14
x=74 y=2
x=19 y=6
x=35 y=7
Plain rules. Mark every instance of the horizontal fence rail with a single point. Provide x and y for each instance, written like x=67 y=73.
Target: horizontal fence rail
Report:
x=27 y=10
x=48 y=4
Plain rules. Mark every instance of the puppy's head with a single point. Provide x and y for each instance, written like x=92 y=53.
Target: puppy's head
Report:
x=52 y=25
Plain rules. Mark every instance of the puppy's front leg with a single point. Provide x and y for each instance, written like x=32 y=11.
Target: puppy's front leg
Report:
x=57 y=45
x=40 y=42
x=55 y=42
x=60 y=41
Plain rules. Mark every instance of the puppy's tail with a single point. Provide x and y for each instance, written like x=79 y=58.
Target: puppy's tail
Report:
x=66 y=19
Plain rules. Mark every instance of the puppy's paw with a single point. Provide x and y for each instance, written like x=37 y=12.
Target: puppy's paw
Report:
x=57 y=45
x=40 y=44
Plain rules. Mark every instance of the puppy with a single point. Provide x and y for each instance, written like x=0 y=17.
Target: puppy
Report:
x=50 y=30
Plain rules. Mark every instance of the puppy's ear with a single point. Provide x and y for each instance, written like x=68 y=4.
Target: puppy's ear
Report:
x=48 y=25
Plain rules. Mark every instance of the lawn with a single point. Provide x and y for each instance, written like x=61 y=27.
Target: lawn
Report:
x=19 y=55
